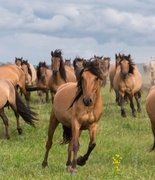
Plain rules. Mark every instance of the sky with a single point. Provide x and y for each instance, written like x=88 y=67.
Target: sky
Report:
x=33 y=28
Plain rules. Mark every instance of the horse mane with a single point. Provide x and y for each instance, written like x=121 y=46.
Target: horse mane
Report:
x=94 y=68
x=58 y=53
x=131 y=63
x=28 y=66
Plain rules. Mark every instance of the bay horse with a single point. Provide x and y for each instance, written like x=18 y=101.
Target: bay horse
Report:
x=78 y=106
x=44 y=74
x=127 y=84
x=10 y=97
x=150 y=104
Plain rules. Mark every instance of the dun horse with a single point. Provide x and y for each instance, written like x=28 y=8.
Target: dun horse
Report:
x=15 y=75
x=10 y=97
x=61 y=73
x=150 y=104
x=77 y=106
x=43 y=77
x=127 y=84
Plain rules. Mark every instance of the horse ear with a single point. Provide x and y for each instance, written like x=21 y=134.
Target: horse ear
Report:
x=52 y=53
x=116 y=56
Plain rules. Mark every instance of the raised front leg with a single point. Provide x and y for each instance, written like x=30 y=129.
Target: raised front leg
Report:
x=51 y=129
x=92 y=134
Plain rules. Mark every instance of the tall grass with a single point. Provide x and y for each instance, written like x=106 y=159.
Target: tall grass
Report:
x=130 y=138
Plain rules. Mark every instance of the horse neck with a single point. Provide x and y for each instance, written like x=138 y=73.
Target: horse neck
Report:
x=57 y=79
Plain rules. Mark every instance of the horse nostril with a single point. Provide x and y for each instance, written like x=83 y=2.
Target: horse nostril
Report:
x=87 y=101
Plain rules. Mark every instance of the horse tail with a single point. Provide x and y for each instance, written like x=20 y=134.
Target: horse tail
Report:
x=67 y=135
x=24 y=111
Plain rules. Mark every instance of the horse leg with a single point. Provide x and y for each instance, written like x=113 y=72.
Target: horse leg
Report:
x=51 y=129
x=75 y=145
x=92 y=134
x=19 y=129
x=132 y=105
x=121 y=101
x=5 y=121
x=137 y=97
x=69 y=162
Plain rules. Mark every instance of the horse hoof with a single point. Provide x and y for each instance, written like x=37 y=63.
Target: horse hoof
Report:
x=44 y=164
x=7 y=137
x=71 y=170
x=81 y=161
x=20 y=131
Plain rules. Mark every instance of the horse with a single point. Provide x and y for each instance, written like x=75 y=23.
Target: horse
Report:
x=61 y=73
x=78 y=106
x=78 y=66
x=68 y=62
x=10 y=97
x=127 y=84
x=43 y=78
x=15 y=74
x=30 y=76
x=104 y=65
x=112 y=70
x=30 y=72
x=18 y=61
x=150 y=103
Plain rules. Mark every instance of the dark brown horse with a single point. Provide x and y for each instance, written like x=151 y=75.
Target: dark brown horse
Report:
x=77 y=106
x=44 y=74
x=127 y=84
x=10 y=97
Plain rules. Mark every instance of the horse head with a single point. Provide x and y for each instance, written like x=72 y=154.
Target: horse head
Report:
x=126 y=65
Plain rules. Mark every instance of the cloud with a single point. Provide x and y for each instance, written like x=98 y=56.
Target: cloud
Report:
x=79 y=28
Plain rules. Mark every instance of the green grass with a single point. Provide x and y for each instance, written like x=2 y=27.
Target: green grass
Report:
x=131 y=138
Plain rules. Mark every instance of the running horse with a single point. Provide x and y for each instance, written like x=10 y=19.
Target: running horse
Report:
x=44 y=74
x=78 y=106
x=127 y=84
x=15 y=74
x=150 y=104
x=10 y=97
x=61 y=72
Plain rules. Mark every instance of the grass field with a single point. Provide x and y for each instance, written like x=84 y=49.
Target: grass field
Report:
x=122 y=150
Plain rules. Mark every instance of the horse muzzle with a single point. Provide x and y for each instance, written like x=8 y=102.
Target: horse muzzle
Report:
x=87 y=101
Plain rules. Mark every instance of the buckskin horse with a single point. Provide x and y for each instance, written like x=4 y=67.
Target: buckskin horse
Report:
x=44 y=74
x=78 y=106
x=127 y=84
x=10 y=97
